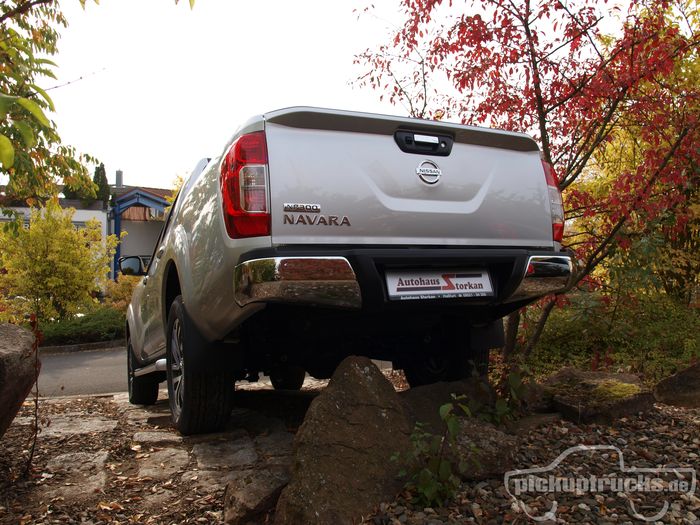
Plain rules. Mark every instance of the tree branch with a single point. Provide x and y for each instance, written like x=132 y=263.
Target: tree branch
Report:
x=603 y=250
x=579 y=162
x=537 y=82
x=544 y=315
x=23 y=8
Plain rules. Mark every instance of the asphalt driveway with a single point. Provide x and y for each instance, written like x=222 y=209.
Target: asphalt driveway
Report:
x=89 y=372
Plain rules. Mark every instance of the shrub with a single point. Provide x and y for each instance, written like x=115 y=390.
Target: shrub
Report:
x=118 y=293
x=431 y=476
x=652 y=334
x=53 y=269
x=101 y=324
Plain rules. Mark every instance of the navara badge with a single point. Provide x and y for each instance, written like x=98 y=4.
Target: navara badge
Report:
x=429 y=172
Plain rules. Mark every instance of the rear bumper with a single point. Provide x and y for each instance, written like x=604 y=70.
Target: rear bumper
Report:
x=354 y=278
x=327 y=281
x=544 y=274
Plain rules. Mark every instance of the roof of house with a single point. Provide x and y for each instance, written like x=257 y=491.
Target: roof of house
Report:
x=78 y=204
x=158 y=192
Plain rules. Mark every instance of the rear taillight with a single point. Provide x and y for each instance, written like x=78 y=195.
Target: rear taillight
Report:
x=244 y=187
x=555 y=203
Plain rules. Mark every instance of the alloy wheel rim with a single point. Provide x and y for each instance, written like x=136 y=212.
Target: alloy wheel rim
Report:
x=176 y=366
x=436 y=364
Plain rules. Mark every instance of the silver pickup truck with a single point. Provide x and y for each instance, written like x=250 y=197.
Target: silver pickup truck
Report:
x=318 y=234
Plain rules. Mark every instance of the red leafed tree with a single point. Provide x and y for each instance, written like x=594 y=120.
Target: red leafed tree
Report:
x=577 y=75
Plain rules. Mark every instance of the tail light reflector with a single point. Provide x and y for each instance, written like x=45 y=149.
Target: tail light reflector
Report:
x=555 y=202
x=244 y=187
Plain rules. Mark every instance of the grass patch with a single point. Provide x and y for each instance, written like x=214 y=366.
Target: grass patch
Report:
x=611 y=390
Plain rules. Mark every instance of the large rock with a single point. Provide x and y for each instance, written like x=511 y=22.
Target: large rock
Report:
x=249 y=496
x=483 y=449
x=535 y=398
x=597 y=397
x=423 y=402
x=342 y=466
x=17 y=371
x=681 y=389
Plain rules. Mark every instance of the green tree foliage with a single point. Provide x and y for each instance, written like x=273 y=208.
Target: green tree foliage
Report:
x=84 y=193
x=100 y=180
x=177 y=183
x=31 y=151
x=53 y=268
x=659 y=247
x=98 y=190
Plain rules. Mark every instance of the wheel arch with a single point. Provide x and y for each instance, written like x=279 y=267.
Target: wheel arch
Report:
x=129 y=331
x=172 y=287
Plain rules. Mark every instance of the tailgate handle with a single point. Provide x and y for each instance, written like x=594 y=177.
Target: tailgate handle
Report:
x=423 y=142
x=426 y=139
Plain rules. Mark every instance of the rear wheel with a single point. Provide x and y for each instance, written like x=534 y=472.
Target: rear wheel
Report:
x=446 y=360
x=200 y=387
x=289 y=377
x=143 y=390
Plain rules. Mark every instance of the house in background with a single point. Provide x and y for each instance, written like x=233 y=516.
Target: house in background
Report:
x=138 y=211
x=83 y=212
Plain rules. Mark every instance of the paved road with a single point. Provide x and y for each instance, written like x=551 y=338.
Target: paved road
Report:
x=91 y=372
x=100 y=372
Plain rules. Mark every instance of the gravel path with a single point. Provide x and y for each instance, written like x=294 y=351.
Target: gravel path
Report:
x=665 y=437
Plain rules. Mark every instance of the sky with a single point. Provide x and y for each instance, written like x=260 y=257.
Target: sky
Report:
x=154 y=87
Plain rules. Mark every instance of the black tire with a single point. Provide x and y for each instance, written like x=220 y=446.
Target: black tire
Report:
x=290 y=377
x=143 y=390
x=451 y=364
x=200 y=388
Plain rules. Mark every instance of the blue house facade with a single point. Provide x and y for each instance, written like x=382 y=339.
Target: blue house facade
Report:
x=139 y=212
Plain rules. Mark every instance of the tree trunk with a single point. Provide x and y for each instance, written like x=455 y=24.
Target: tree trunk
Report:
x=511 y=334
x=544 y=315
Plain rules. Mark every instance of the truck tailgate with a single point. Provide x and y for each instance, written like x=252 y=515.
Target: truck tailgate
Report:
x=341 y=178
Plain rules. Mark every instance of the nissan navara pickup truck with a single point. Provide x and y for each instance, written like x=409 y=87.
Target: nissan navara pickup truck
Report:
x=317 y=234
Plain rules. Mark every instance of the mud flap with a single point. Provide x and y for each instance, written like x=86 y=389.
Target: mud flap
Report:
x=211 y=354
x=486 y=336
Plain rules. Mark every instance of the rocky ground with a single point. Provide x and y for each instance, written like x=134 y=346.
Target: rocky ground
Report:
x=100 y=460
x=663 y=437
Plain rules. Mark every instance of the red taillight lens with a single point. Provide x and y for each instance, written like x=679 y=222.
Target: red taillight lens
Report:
x=244 y=187
x=555 y=203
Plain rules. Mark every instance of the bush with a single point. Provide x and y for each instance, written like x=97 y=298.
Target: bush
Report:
x=651 y=334
x=101 y=324
x=53 y=269
x=118 y=293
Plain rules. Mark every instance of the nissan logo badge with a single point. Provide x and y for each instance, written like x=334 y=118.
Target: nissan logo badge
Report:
x=428 y=172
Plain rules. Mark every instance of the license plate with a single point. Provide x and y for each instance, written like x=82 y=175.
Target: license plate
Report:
x=436 y=284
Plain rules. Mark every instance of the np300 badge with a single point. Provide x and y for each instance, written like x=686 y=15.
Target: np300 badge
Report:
x=429 y=172
x=299 y=207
